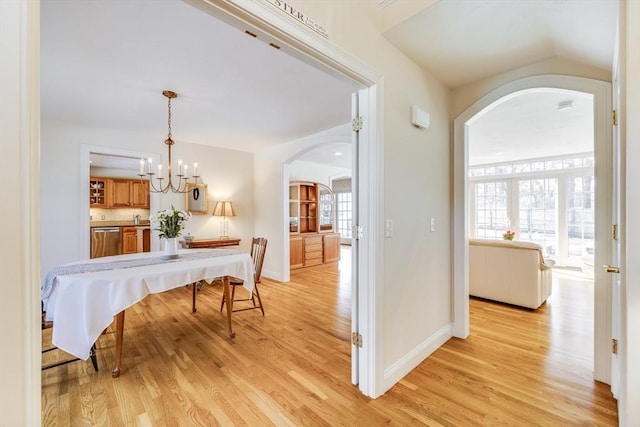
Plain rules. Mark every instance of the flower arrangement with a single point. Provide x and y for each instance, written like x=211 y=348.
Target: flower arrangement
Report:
x=508 y=235
x=170 y=222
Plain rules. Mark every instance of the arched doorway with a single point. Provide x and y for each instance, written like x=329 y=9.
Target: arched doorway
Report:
x=601 y=92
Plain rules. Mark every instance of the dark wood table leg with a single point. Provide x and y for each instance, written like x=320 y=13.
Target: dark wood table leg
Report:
x=119 y=332
x=194 y=285
x=227 y=296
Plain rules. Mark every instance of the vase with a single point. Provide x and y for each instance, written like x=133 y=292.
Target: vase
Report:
x=170 y=248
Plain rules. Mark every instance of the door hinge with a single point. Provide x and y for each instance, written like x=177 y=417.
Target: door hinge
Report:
x=357 y=231
x=614 y=346
x=356 y=124
x=614 y=231
x=356 y=339
x=614 y=117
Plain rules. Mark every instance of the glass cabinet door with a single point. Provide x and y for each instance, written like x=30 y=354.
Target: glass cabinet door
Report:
x=326 y=210
x=294 y=208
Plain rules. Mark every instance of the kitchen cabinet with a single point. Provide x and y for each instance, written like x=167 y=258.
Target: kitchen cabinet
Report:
x=118 y=193
x=139 y=194
x=127 y=193
x=98 y=192
x=129 y=240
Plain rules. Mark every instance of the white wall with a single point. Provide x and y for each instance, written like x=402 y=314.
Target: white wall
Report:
x=228 y=173
x=629 y=59
x=300 y=170
x=415 y=288
x=463 y=96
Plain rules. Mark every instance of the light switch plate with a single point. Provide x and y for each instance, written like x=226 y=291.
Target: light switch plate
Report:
x=433 y=224
x=388 y=228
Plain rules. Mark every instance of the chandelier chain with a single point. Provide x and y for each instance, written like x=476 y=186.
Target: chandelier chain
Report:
x=169 y=120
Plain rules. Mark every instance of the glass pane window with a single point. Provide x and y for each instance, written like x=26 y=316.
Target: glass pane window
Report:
x=538 y=213
x=491 y=209
x=344 y=214
x=580 y=214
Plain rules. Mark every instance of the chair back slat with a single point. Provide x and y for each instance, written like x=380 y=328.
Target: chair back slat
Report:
x=258 y=249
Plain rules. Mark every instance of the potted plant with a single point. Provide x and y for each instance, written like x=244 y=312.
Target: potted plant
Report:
x=170 y=224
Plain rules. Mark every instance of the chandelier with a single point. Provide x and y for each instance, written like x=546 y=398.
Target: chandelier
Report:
x=182 y=176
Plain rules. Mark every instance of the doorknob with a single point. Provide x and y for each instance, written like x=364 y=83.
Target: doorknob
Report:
x=611 y=269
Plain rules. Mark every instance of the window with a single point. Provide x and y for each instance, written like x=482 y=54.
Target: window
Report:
x=580 y=214
x=538 y=213
x=549 y=201
x=344 y=214
x=491 y=209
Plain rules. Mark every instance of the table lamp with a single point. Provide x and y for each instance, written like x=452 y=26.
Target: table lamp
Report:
x=224 y=209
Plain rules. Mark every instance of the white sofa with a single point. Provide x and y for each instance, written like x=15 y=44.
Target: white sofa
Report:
x=512 y=272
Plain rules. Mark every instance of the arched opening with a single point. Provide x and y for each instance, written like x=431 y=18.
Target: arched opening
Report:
x=602 y=154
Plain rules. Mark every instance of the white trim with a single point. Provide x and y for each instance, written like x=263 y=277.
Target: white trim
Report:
x=415 y=357
x=312 y=48
x=20 y=172
x=602 y=151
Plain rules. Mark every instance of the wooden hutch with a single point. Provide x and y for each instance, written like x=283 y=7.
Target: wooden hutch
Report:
x=312 y=236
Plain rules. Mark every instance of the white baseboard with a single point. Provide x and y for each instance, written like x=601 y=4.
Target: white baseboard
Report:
x=402 y=367
x=272 y=275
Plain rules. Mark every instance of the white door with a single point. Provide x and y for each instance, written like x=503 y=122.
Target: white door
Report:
x=615 y=250
x=361 y=368
x=355 y=136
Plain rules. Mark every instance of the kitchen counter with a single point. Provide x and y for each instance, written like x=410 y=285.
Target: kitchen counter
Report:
x=143 y=223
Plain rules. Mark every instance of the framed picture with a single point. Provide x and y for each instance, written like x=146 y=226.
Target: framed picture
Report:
x=197 y=199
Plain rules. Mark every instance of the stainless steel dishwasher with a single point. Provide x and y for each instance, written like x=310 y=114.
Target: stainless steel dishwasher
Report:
x=105 y=241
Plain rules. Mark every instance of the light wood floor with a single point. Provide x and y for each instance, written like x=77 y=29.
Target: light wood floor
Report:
x=292 y=367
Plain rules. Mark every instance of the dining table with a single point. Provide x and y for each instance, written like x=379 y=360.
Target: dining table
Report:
x=83 y=298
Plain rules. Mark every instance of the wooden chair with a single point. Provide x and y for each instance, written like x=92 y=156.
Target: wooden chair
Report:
x=92 y=355
x=258 y=249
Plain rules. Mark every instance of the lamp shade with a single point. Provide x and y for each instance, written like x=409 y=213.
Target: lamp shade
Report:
x=223 y=209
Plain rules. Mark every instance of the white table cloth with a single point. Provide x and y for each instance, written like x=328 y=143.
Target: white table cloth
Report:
x=82 y=305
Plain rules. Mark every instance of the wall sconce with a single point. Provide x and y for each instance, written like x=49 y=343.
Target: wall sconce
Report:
x=224 y=209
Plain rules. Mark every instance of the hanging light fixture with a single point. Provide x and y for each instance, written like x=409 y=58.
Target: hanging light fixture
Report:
x=182 y=177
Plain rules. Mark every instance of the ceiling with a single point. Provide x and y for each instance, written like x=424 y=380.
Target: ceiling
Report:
x=105 y=64
x=461 y=41
x=497 y=136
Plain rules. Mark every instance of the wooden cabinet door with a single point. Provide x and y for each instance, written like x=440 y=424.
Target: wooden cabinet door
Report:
x=139 y=194
x=331 y=247
x=146 y=240
x=129 y=240
x=296 y=252
x=98 y=192
x=120 y=193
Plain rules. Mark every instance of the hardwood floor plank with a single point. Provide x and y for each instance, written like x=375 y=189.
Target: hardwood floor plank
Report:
x=291 y=367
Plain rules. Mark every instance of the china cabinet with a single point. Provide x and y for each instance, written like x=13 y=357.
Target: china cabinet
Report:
x=312 y=237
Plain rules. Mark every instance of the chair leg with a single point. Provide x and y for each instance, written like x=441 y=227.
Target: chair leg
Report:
x=255 y=289
x=233 y=293
x=94 y=358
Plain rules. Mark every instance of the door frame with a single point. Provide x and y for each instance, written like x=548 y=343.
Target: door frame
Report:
x=601 y=92
x=316 y=51
x=85 y=173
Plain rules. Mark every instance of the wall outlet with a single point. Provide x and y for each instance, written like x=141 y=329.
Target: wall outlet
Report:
x=388 y=228
x=432 y=225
